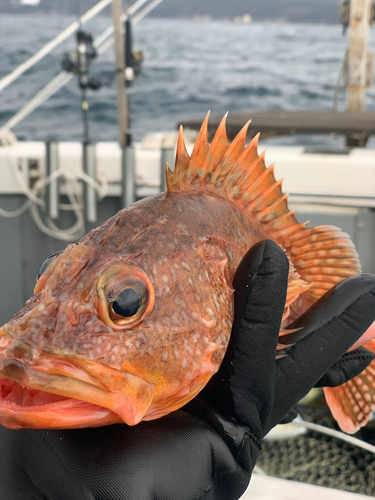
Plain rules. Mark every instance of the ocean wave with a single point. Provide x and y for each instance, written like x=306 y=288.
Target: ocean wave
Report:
x=188 y=68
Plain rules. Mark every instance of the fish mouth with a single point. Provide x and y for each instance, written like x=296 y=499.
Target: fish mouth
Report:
x=44 y=391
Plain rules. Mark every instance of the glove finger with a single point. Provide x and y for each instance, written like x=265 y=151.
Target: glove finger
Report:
x=347 y=367
x=289 y=417
x=244 y=385
x=330 y=327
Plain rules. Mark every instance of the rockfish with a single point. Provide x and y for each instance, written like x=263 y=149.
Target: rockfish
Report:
x=131 y=322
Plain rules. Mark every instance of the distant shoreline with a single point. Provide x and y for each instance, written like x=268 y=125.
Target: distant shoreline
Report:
x=197 y=19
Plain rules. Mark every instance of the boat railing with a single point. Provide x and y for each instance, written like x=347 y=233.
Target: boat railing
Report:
x=94 y=187
x=101 y=43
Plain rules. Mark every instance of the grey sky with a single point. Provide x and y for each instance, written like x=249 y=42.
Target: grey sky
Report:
x=293 y=10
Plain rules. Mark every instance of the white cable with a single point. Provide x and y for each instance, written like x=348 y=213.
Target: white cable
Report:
x=22 y=184
x=336 y=434
x=64 y=77
x=11 y=77
x=15 y=213
x=102 y=43
x=51 y=88
x=109 y=31
x=34 y=201
x=7 y=138
x=73 y=233
x=133 y=9
x=146 y=10
x=103 y=37
x=77 y=229
x=101 y=188
x=105 y=45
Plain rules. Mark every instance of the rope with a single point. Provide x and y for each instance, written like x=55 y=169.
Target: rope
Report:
x=336 y=434
x=146 y=10
x=15 y=213
x=34 y=202
x=7 y=138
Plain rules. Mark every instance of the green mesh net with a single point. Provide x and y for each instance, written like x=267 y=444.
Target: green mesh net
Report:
x=322 y=460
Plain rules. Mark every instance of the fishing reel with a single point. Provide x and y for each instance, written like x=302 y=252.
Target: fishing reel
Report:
x=133 y=57
x=79 y=61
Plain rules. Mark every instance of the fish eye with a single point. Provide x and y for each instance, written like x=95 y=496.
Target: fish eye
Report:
x=126 y=304
x=125 y=296
x=44 y=265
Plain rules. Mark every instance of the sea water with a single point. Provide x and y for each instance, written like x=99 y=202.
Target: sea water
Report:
x=189 y=67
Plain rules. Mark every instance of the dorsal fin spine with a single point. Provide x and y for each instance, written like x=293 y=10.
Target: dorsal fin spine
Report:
x=251 y=152
x=246 y=178
x=273 y=193
x=202 y=140
x=269 y=213
x=199 y=154
x=285 y=220
x=219 y=146
x=263 y=182
x=257 y=167
x=237 y=147
x=177 y=178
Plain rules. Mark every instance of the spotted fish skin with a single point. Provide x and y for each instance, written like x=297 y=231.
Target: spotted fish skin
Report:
x=189 y=251
x=67 y=360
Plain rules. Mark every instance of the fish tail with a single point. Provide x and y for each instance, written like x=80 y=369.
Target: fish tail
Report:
x=352 y=404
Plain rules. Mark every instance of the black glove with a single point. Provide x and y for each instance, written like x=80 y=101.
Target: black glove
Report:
x=208 y=449
x=348 y=366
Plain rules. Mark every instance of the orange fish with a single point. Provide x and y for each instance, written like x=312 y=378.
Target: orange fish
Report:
x=130 y=323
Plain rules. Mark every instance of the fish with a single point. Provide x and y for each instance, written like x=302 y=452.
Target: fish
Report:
x=130 y=323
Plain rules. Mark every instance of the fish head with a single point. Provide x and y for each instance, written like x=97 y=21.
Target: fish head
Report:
x=116 y=336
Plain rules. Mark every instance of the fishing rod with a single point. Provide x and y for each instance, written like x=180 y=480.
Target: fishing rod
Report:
x=38 y=56
x=103 y=42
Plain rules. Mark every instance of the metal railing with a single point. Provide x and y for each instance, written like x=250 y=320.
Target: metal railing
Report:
x=101 y=43
x=94 y=187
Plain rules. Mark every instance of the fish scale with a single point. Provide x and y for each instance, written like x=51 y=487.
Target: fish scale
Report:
x=179 y=251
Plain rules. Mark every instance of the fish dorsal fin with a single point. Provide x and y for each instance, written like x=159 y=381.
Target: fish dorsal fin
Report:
x=234 y=171
x=322 y=255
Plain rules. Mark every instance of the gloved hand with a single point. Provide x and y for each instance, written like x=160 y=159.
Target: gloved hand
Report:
x=208 y=449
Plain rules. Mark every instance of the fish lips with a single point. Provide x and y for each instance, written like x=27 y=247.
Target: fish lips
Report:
x=45 y=391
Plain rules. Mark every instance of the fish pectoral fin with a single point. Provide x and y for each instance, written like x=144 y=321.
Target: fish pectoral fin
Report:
x=296 y=287
x=352 y=404
x=323 y=256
